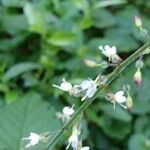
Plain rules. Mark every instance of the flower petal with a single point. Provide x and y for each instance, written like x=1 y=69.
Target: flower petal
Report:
x=119 y=97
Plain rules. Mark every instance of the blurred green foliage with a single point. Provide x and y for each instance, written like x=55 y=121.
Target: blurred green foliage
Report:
x=42 y=41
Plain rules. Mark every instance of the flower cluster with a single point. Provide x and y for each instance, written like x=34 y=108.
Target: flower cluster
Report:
x=86 y=89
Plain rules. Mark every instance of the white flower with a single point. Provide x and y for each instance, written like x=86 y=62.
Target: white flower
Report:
x=87 y=88
x=65 y=86
x=73 y=141
x=108 y=51
x=120 y=98
x=66 y=113
x=34 y=139
x=111 y=53
x=85 y=148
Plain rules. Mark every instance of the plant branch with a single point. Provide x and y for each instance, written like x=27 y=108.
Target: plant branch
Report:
x=86 y=103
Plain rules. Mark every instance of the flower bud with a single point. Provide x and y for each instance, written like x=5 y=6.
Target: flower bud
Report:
x=138 y=77
x=90 y=63
x=129 y=102
x=139 y=63
x=137 y=21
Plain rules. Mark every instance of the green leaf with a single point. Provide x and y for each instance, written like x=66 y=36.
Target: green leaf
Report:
x=142 y=99
x=29 y=114
x=14 y=23
x=107 y=3
x=12 y=3
x=125 y=43
x=29 y=80
x=18 y=69
x=85 y=22
x=81 y=4
x=142 y=125
x=35 y=19
x=62 y=38
x=102 y=18
x=8 y=44
x=138 y=142
x=114 y=128
x=117 y=113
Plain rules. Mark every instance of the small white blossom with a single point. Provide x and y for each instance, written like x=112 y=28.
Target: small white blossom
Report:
x=35 y=138
x=73 y=139
x=85 y=148
x=87 y=88
x=111 y=53
x=66 y=113
x=65 y=86
x=120 y=98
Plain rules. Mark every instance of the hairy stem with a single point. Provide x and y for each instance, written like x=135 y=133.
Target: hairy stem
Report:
x=86 y=103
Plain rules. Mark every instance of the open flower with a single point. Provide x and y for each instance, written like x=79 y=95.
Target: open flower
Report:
x=87 y=88
x=73 y=139
x=66 y=114
x=34 y=139
x=117 y=98
x=111 y=53
x=68 y=111
x=65 y=86
x=120 y=98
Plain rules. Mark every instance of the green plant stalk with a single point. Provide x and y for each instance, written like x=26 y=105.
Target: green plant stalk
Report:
x=86 y=103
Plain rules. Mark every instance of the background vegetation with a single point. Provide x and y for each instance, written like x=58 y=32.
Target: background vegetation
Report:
x=42 y=41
